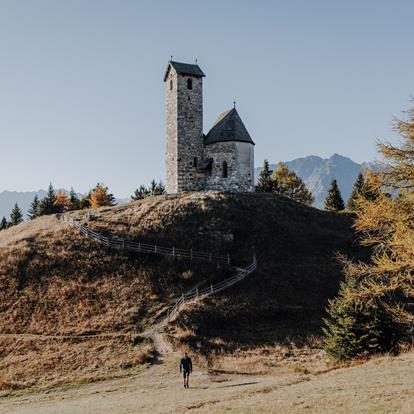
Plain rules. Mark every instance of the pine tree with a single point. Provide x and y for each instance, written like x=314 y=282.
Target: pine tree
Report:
x=154 y=189
x=354 y=328
x=47 y=205
x=265 y=184
x=157 y=188
x=357 y=191
x=16 y=215
x=287 y=183
x=140 y=193
x=74 y=202
x=374 y=310
x=34 y=208
x=334 y=201
x=3 y=224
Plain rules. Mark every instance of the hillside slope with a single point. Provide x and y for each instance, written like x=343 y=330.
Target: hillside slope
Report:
x=54 y=281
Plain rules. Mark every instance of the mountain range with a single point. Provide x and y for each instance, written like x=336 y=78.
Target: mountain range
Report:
x=318 y=173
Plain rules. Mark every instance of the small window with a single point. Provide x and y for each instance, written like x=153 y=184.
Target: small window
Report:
x=171 y=84
x=189 y=83
x=195 y=162
x=225 y=170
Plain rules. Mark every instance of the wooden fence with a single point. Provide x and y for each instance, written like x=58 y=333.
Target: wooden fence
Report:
x=144 y=247
x=197 y=293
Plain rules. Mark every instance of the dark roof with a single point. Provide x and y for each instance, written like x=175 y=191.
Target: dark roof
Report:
x=228 y=127
x=185 y=69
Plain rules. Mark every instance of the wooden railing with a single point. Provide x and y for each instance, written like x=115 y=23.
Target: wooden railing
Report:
x=197 y=293
x=193 y=294
x=144 y=247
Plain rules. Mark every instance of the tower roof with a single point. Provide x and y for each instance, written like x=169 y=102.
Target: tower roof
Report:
x=185 y=69
x=228 y=127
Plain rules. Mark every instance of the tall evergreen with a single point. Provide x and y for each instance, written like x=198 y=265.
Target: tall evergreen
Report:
x=3 y=224
x=47 y=205
x=34 y=208
x=155 y=188
x=74 y=201
x=334 y=201
x=357 y=191
x=140 y=193
x=85 y=201
x=16 y=215
x=265 y=183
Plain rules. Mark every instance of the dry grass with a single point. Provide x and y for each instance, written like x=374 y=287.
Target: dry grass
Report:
x=54 y=281
x=29 y=362
x=381 y=386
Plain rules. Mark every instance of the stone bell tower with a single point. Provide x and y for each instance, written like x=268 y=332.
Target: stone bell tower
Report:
x=184 y=147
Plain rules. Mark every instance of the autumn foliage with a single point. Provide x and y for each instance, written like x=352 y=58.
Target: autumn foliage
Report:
x=374 y=311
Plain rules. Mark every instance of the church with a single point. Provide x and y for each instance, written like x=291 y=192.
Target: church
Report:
x=222 y=159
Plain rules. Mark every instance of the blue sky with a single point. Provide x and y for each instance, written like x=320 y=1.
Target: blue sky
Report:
x=82 y=97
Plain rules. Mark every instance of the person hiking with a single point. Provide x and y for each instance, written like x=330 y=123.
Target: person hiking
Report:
x=186 y=367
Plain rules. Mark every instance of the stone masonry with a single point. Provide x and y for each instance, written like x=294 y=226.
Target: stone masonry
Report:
x=223 y=159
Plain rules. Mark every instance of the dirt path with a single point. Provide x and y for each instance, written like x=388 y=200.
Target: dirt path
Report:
x=380 y=386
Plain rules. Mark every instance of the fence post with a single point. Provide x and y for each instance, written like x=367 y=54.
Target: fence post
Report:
x=123 y=243
x=211 y=287
x=191 y=254
x=139 y=246
x=173 y=251
x=197 y=291
x=210 y=257
x=155 y=249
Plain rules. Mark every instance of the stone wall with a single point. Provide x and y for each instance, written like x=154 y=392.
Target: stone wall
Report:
x=239 y=157
x=184 y=133
x=171 y=138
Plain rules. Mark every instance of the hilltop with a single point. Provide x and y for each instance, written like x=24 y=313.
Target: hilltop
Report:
x=80 y=308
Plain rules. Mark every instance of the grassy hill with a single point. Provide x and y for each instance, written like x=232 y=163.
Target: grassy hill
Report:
x=90 y=303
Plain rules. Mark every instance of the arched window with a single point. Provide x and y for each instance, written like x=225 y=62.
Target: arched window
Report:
x=225 y=170
x=189 y=83
x=171 y=84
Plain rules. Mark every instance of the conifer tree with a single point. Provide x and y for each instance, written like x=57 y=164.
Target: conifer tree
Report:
x=157 y=188
x=287 y=183
x=334 y=201
x=16 y=215
x=47 y=205
x=74 y=202
x=85 y=201
x=357 y=191
x=140 y=193
x=265 y=184
x=3 y=224
x=374 y=310
x=33 y=211
x=154 y=189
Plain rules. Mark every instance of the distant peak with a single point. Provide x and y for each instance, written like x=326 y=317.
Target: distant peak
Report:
x=339 y=157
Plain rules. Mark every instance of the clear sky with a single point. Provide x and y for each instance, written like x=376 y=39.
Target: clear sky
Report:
x=82 y=97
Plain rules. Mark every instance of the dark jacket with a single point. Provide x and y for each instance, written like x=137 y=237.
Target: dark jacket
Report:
x=186 y=365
